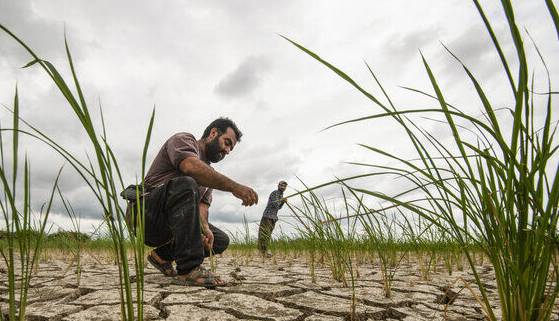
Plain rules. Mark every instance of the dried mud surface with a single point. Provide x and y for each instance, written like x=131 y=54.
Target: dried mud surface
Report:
x=279 y=288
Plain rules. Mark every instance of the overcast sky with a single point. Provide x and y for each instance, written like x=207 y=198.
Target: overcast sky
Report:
x=198 y=60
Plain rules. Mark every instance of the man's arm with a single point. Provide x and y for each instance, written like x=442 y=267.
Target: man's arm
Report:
x=208 y=239
x=209 y=177
x=282 y=201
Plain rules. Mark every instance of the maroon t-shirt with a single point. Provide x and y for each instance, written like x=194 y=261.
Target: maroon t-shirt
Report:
x=165 y=166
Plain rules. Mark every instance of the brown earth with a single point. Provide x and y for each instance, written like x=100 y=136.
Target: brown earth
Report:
x=259 y=289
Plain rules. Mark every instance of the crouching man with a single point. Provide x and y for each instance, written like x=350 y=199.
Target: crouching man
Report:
x=179 y=188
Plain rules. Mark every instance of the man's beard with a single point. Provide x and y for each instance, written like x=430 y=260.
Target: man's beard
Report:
x=213 y=154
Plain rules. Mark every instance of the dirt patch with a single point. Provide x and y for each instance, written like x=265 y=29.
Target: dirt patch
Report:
x=279 y=289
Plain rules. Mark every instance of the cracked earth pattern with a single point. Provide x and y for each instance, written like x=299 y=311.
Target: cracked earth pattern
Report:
x=258 y=289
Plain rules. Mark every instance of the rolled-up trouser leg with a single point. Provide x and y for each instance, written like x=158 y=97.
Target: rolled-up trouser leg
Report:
x=166 y=251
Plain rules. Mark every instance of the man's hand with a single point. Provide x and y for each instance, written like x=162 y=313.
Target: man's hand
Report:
x=208 y=238
x=246 y=194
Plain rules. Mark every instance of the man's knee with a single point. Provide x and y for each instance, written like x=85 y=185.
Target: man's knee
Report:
x=221 y=242
x=183 y=186
x=185 y=182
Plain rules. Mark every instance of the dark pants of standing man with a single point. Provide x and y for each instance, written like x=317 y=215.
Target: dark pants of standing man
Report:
x=172 y=224
x=265 y=232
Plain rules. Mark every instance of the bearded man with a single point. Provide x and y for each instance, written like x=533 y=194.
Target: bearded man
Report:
x=178 y=195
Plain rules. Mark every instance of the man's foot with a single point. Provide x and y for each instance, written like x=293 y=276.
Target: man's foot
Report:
x=267 y=254
x=165 y=267
x=199 y=277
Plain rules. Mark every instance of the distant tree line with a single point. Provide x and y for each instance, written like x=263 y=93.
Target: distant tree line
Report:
x=59 y=235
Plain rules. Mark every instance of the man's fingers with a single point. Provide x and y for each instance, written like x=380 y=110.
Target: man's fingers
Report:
x=247 y=195
x=253 y=197
x=207 y=241
x=250 y=198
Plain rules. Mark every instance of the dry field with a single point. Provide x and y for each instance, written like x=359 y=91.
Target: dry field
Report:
x=259 y=289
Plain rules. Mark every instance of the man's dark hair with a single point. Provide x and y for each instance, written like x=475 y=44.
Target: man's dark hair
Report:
x=222 y=123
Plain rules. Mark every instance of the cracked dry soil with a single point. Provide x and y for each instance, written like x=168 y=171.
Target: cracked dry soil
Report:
x=259 y=289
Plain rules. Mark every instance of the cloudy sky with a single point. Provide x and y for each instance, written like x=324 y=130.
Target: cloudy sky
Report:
x=197 y=60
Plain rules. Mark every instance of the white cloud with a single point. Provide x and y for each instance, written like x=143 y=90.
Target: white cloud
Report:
x=199 y=60
x=244 y=79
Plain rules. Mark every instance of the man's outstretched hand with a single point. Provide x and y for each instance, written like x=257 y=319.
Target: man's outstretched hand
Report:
x=245 y=194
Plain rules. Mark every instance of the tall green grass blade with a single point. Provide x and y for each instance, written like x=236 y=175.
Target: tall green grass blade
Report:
x=497 y=45
x=554 y=15
x=15 y=141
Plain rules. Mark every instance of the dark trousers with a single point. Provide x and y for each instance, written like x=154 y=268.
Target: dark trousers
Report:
x=172 y=224
x=265 y=232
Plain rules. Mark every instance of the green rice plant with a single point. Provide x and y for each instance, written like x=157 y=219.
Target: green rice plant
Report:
x=323 y=228
x=384 y=235
x=447 y=260
x=312 y=249
x=320 y=225
x=248 y=239
x=495 y=186
x=74 y=241
x=428 y=251
x=458 y=259
x=382 y=240
x=242 y=243
x=24 y=236
x=103 y=176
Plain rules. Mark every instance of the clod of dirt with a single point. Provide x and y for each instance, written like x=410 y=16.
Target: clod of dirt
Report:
x=237 y=269
x=237 y=276
x=448 y=297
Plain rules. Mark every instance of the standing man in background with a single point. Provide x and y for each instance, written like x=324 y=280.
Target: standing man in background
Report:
x=270 y=217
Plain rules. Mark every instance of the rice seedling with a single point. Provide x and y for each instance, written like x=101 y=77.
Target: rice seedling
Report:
x=427 y=251
x=103 y=177
x=74 y=241
x=24 y=235
x=383 y=241
x=318 y=225
x=496 y=190
x=322 y=228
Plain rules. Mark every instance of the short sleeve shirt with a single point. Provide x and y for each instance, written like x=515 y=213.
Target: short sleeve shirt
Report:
x=166 y=164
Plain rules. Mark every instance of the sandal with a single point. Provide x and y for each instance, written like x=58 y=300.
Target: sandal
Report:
x=165 y=268
x=199 y=277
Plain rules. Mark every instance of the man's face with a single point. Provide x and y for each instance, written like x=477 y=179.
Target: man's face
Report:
x=220 y=144
x=282 y=186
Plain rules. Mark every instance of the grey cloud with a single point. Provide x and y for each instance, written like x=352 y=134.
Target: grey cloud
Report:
x=20 y=18
x=476 y=50
x=131 y=63
x=244 y=79
x=44 y=165
x=403 y=47
x=265 y=165
x=222 y=216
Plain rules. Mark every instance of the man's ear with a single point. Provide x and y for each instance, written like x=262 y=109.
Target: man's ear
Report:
x=213 y=133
